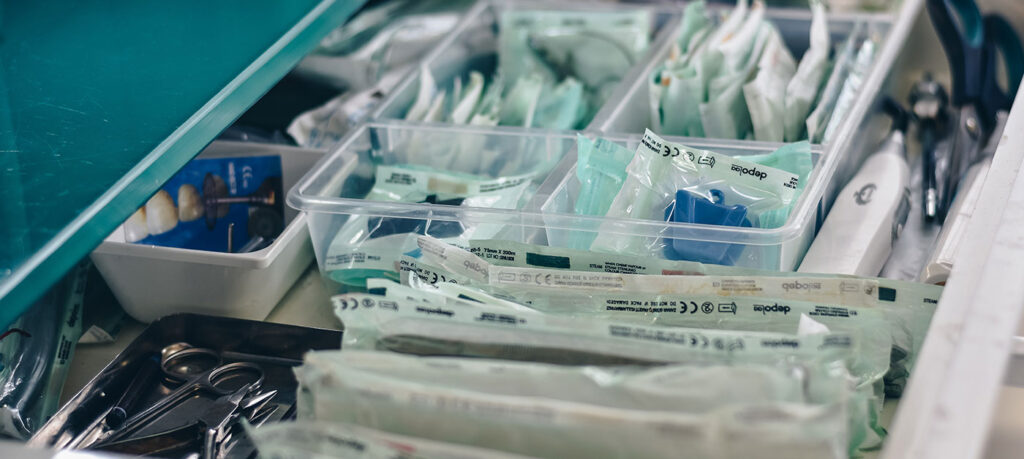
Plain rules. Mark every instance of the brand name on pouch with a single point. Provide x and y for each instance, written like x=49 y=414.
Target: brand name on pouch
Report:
x=765 y=309
x=801 y=286
x=761 y=175
x=474 y=266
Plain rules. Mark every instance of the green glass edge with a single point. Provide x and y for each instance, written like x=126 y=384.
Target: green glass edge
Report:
x=47 y=265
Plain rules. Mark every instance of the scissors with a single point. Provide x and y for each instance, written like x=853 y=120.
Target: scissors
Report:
x=973 y=45
x=198 y=371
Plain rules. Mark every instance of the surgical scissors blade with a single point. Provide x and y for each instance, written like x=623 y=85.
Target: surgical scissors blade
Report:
x=201 y=371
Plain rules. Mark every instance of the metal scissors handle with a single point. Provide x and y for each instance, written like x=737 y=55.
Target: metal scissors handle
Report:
x=962 y=33
x=973 y=44
x=200 y=371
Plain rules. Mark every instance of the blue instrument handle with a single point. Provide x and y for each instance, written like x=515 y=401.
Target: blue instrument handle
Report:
x=961 y=31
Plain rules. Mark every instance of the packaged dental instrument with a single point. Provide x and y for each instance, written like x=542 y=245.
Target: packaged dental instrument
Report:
x=305 y=439
x=765 y=95
x=810 y=76
x=375 y=322
x=819 y=118
x=368 y=246
x=524 y=421
x=907 y=306
x=836 y=290
x=601 y=169
x=737 y=79
x=679 y=388
x=386 y=37
x=554 y=69
x=594 y=47
x=679 y=75
x=324 y=126
x=660 y=169
x=852 y=86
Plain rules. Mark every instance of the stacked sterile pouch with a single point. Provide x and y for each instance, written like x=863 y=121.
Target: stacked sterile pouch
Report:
x=584 y=362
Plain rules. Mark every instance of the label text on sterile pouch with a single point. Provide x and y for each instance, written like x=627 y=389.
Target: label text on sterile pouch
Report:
x=549 y=278
x=779 y=182
x=359 y=303
x=437 y=182
x=453 y=258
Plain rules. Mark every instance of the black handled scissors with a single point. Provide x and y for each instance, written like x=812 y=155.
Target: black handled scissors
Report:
x=199 y=371
x=973 y=45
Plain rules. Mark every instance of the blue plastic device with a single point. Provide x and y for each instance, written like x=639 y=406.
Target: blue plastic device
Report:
x=694 y=208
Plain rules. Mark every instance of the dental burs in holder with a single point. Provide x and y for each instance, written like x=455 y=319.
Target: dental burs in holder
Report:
x=694 y=208
x=929 y=105
x=869 y=214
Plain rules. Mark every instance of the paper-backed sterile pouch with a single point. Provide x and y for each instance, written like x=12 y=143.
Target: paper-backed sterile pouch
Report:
x=524 y=421
x=374 y=322
x=661 y=168
x=907 y=307
x=367 y=246
x=303 y=439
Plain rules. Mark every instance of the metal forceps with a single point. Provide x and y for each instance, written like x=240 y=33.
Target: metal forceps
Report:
x=199 y=371
x=973 y=44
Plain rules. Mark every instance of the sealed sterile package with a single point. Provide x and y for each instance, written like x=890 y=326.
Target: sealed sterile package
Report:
x=384 y=37
x=810 y=75
x=601 y=169
x=737 y=79
x=738 y=313
x=724 y=114
x=765 y=95
x=305 y=439
x=678 y=388
x=438 y=294
x=367 y=246
x=851 y=291
x=662 y=175
x=324 y=126
x=375 y=322
x=818 y=120
x=35 y=356
x=681 y=389
x=515 y=268
x=851 y=88
x=548 y=427
x=597 y=48
x=679 y=87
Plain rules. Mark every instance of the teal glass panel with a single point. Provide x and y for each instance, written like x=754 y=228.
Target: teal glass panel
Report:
x=101 y=101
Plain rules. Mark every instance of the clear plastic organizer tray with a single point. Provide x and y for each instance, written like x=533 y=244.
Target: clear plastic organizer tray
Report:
x=340 y=220
x=473 y=45
x=355 y=237
x=633 y=114
x=845 y=150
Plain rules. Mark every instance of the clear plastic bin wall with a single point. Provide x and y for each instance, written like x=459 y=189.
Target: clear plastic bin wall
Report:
x=344 y=226
x=473 y=45
x=331 y=195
